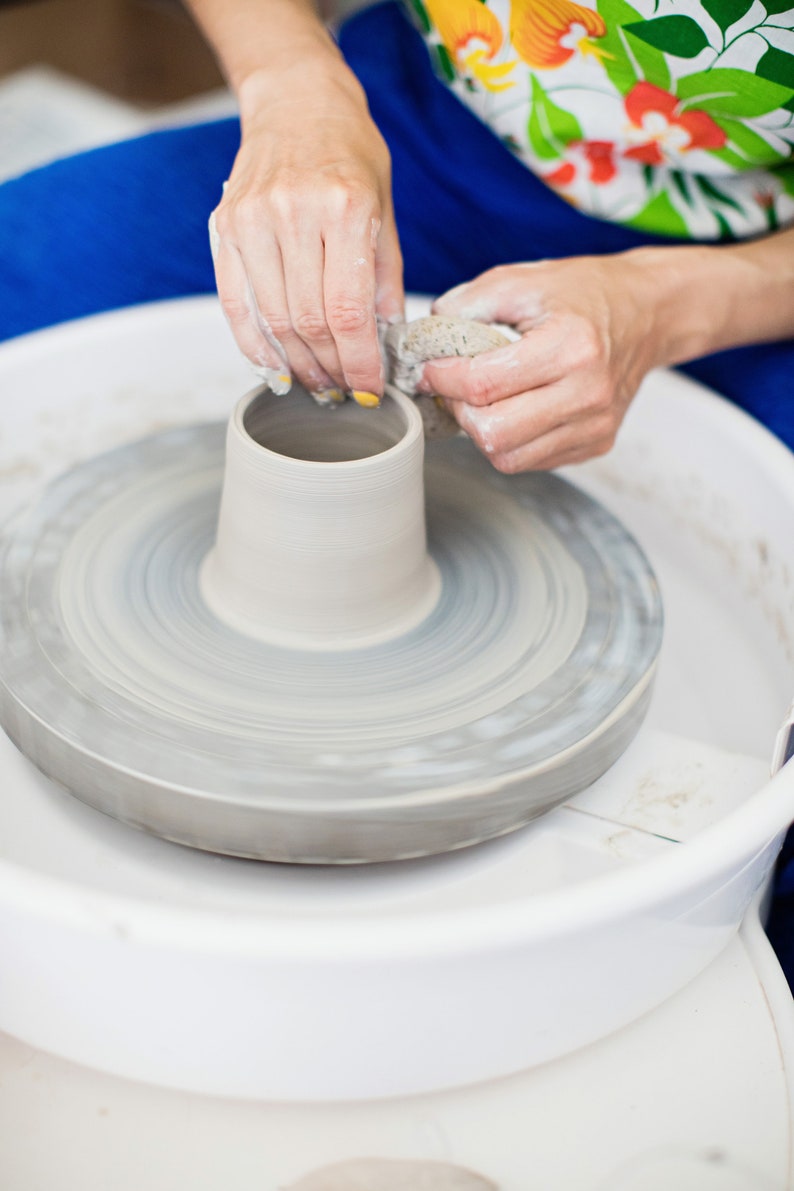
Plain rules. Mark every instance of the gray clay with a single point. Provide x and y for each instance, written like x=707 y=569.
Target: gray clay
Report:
x=382 y=1174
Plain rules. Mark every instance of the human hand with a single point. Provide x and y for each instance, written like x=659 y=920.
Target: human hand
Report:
x=589 y=331
x=304 y=240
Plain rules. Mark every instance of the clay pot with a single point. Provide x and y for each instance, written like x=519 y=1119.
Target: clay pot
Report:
x=321 y=538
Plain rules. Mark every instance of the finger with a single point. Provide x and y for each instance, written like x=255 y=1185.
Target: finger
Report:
x=269 y=273
x=506 y=425
x=303 y=258
x=509 y=425
x=389 y=289
x=551 y=452
x=252 y=336
x=567 y=442
x=349 y=291
x=566 y=346
x=539 y=358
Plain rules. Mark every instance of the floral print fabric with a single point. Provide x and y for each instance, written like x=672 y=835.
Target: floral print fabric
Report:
x=670 y=116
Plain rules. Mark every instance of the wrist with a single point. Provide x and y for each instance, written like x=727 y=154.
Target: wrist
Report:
x=310 y=73
x=689 y=295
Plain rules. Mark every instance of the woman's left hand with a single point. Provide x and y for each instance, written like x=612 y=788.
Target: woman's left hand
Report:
x=590 y=330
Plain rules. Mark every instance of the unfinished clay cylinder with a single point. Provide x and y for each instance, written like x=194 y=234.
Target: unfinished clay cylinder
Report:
x=321 y=539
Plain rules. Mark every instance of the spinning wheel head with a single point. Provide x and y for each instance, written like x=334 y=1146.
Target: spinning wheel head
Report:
x=429 y=672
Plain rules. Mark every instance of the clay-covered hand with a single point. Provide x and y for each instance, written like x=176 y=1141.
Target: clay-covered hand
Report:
x=304 y=240
x=558 y=394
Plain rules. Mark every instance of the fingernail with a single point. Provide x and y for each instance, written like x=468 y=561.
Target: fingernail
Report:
x=328 y=396
x=362 y=397
x=278 y=382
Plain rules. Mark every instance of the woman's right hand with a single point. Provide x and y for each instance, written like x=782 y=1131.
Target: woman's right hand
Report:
x=304 y=239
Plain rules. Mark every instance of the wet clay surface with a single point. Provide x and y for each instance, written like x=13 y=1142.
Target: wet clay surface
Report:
x=522 y=684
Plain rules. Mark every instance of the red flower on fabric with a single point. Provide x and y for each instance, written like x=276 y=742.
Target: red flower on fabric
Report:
x=562 y=176
x=598 y=159
x=660 y=128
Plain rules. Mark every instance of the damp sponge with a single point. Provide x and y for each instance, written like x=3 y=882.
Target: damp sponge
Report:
x=409 y=345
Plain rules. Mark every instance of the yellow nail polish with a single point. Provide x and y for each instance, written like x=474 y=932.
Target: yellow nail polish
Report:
x=328 y=396
x=362 y=397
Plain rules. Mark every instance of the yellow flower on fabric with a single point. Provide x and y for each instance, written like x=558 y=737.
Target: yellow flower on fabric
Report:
x=547 y=33
x=473 y=36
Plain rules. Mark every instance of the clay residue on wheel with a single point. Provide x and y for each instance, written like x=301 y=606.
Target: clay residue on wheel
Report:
x=383 y=1174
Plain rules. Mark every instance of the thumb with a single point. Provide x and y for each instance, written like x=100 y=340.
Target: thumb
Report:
x=508 y=294
x=479 y=299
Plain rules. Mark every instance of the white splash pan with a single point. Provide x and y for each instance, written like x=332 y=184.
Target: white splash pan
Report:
x=151 y=961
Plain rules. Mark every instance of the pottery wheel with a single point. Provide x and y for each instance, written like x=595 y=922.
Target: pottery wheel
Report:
x=523 y=684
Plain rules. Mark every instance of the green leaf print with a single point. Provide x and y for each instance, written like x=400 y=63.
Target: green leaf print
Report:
x=726 y=12
x=724 y=92
x=785 y=175
x=724 y=226
x=753 y=149
x=731 y=158
x=775 y=6
x=679 y=182
x=777 y=66
x=419 y=11
x=550 y=127
x=444 y=62
x=628 y=64
x=659 y=215
x=715 y=194
x=676 y=35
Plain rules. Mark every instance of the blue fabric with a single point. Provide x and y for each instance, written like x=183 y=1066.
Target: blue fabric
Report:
x=111 y=227
x=128 y=224
x=780 y=926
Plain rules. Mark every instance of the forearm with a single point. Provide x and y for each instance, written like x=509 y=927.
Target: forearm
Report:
x=707 y=299
x=309 y=193
x=270 y=48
